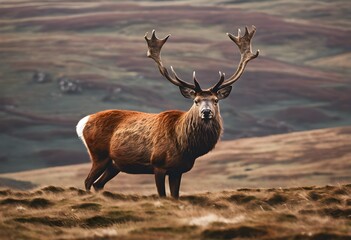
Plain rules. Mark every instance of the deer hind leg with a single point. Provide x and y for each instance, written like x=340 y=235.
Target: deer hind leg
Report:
x=160 y=177
x=110 y=172
x=98 y=167
x=174 y=184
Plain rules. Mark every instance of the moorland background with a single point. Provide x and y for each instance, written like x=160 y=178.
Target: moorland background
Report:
x=300 y=81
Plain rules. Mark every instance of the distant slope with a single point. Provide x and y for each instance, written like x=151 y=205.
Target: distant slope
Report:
x=316 y=157
x=300 y=81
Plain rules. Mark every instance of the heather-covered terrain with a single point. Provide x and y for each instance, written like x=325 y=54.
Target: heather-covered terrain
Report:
x=71 y=213
x=288 y=186
x=318 y=157
x=61 y=60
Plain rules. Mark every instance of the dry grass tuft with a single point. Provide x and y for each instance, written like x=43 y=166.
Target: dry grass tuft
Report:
x=53 y=189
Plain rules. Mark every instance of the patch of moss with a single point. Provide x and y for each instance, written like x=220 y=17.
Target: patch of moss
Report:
x=248 y=190
x=123 y=216
x=314 y=195
x=277 y=199
x=329 y=187
x=97 y=221
x=40 y=203
x=35 y=203
x=88 y=206
x=286 y=218
x=241 y=198
x=13 y=201
x=48 y=221
x=307 y=211
x=196 y=200
x=5 y=192
x=336 y=212
x=150 y=212
x=39 y=192
x=331 y=200
x=341 y=191
x=53 y=189
x=114 y=217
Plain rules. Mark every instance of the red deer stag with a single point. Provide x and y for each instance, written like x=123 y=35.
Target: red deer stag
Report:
x=161 y=144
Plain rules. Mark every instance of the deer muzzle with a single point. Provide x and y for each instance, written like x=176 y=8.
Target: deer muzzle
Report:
x=206 y=113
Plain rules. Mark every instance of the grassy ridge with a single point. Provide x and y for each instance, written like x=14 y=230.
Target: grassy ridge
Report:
x=71 y=213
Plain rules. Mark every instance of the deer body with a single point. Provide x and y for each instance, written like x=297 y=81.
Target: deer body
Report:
x=162 y=144
x=139 y=142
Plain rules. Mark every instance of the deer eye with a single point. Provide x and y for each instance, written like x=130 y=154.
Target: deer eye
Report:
x=196 y=102
x=216 y=100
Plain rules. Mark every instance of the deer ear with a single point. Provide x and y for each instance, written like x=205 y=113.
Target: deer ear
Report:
x=224 y=92
x=187 y=92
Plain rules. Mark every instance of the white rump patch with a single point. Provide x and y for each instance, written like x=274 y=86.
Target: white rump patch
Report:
x=80 y=127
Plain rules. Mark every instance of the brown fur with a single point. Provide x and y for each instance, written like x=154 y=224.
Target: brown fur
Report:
x=141 y=143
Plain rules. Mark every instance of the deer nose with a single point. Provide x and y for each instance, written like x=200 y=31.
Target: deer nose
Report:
x=206 y=113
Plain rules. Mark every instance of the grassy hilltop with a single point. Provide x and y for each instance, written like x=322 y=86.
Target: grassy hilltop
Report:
x=304 y=213
x=299 y=82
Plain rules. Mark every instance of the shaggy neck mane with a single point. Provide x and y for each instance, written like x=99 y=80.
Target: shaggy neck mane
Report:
x=197 y=136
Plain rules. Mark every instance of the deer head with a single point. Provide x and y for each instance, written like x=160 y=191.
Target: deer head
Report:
x=205 y=101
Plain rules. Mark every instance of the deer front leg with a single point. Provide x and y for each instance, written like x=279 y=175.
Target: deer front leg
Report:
x=174 y=184
x=160 y=176
x=110 y=172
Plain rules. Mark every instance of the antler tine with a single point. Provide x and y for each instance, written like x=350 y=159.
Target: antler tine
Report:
x=197 y=85
x=216 y=87
x=154 y=51
x=244 y=44
x=175 y=74
x=155 y=45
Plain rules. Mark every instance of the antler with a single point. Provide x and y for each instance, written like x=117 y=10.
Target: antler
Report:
x=155 y=44
x=244 y=44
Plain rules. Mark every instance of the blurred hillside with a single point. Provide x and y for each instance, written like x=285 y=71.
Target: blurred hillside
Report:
x=62 y=60
x=319 y=157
